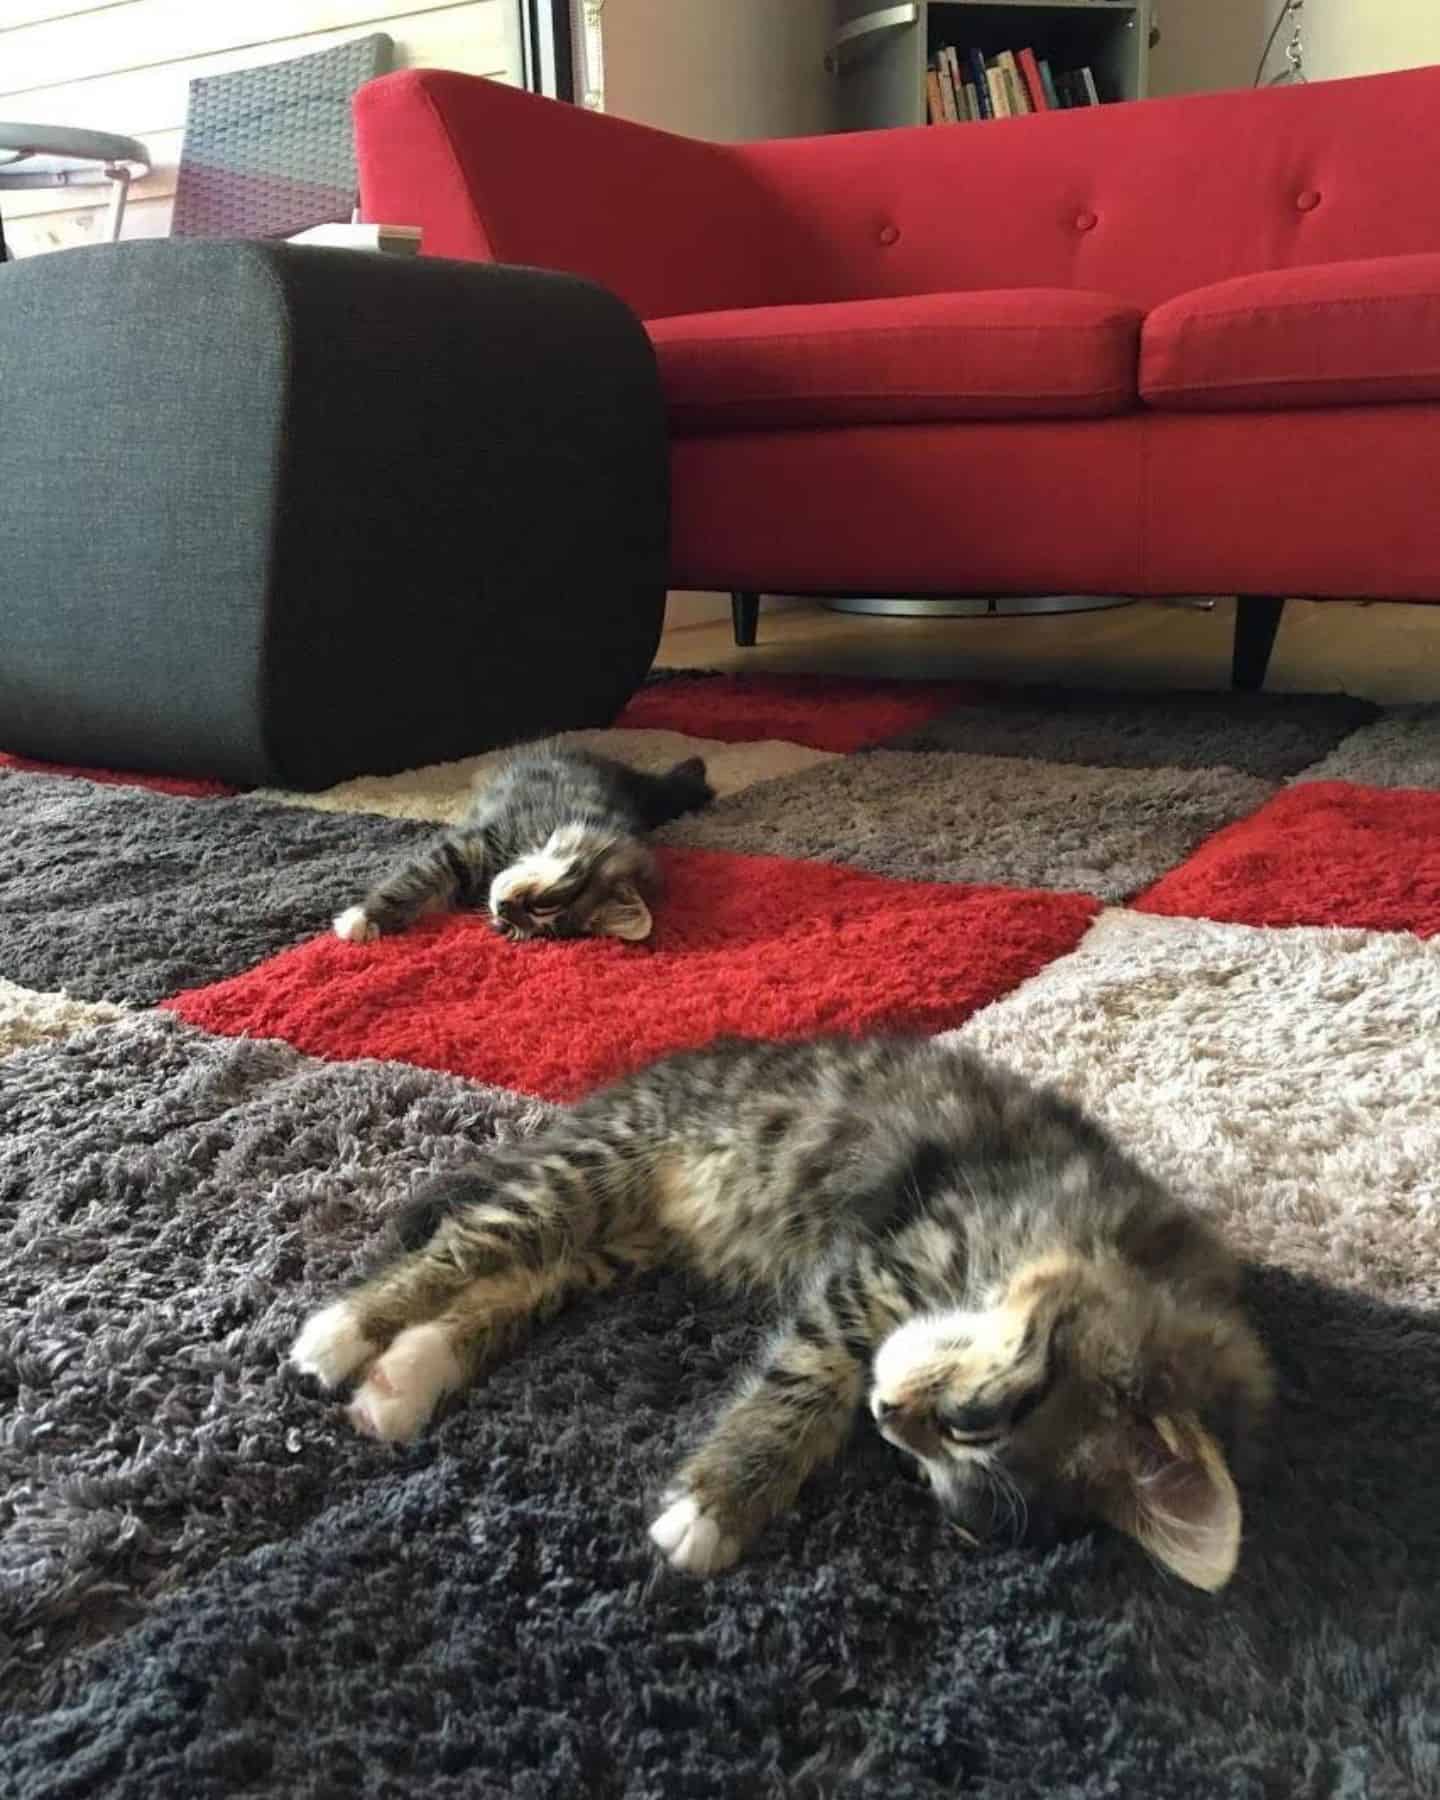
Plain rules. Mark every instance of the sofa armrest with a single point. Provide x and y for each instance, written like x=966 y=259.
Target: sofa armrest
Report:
x=490 y=173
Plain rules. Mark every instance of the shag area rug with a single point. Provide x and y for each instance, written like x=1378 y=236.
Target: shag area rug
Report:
x=1213 y=919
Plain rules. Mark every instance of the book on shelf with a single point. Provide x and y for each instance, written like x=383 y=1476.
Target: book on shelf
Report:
x=934 y=109
x=1015 y=96
x=977 y=76
x=947 y=92
x=1087 y=77
x=1034 y=87
x=951 y=63
x=1047 y=82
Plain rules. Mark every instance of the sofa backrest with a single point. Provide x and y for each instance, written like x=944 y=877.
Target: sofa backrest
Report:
x=493 y=174
x=1142 y=201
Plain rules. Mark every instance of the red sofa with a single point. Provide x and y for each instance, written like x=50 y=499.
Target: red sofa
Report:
x=1181 y=347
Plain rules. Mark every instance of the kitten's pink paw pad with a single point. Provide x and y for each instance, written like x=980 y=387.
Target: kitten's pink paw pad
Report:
x=403 y=1388
x=331 y=1345
x=382 y=1417
x=354 y=926
x=692 y=1540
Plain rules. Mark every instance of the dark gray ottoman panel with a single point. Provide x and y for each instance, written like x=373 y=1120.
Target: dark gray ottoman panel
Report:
x=142 y=395
x=287 y=514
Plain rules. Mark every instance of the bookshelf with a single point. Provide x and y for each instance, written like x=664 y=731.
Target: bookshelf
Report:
x=880 y=53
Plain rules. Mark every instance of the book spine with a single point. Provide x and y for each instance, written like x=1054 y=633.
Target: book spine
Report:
x=947 y=92
x=1014 y=84
x=972 y=102
x=982 y=88
x=949 y=56
x=999 y=100
x=1047 y=81
x=1092 y=93
x=934 y=107
x=1030 y=69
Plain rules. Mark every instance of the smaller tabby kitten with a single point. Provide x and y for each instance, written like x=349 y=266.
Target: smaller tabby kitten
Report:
x=552 y=845
x=1050 y=1334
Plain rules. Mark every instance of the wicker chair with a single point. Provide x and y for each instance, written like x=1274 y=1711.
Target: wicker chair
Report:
x=269 y=152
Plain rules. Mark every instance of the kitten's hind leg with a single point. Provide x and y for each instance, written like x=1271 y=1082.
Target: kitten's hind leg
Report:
x=425 y=1362
x=449 y=873
x=346 y=1335
x=793 y=1414
x=682 y=789
x=493 y=1250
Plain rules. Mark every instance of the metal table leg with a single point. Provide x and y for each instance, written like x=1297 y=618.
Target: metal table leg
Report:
x=119 y=177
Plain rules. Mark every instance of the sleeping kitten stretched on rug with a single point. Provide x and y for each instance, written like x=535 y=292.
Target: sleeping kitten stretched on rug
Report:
x=1032 y=1317
x=552 y=846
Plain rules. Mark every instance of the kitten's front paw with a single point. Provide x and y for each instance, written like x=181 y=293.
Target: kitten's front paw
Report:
x=331 y=1345
x=693 y=1540
x=354 y=926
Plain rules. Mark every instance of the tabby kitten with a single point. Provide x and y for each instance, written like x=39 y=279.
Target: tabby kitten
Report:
x=552 y=846
x=1030 y=1316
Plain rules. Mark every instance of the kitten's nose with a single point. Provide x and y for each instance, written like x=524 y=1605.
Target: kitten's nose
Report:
x=512 y=912
x=883 y=1409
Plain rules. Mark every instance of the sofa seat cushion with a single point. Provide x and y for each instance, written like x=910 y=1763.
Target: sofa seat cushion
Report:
x=1014 y=353
x=1326 y=334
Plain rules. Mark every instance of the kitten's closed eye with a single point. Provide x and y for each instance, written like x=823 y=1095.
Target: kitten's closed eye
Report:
x=984 y=1420
x=971 y=1430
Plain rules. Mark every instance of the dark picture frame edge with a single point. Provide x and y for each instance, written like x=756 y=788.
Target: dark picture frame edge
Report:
x=547 y=46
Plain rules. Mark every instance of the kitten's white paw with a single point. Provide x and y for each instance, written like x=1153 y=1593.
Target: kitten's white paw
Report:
x=354 y=926
x=331 y=1345
x=692 y=1540
x=403 y=1387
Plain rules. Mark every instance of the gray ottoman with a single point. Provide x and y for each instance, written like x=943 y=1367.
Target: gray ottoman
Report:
x=286 y=515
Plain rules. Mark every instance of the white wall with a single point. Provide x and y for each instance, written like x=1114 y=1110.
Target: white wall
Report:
x=1364 y=37
x=124 y=65
x=721 y=69
x=1217 y=43
x=1208 y=44
x=728 y=70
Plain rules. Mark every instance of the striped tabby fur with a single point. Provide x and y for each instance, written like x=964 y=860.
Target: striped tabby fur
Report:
x=1025 y=1311
x=552 y=846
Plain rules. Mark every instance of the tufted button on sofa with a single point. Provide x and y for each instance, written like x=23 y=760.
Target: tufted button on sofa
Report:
x=1176 y=347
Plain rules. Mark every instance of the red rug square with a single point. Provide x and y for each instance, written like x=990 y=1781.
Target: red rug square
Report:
x=754 y=946
x=191 y=787
x=823 y=712
x=1323 y=853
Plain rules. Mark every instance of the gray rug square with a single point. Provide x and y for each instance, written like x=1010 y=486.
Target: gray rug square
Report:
x=116 y=893
x=938 y=816
x=1398 y=751
x=1266 y=735
x=186 y=1199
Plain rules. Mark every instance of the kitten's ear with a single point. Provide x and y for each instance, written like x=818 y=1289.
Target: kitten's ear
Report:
x=1179 y=1502
x=623 y=914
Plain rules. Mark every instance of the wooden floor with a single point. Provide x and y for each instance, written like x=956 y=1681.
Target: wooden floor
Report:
x=1383 y=652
